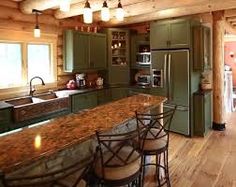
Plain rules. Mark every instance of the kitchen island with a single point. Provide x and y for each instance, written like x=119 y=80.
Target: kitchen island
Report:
x=57 y=139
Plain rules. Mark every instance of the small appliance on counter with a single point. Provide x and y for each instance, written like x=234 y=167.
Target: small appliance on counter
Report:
x=80 y=80
x=99 y=81
x=71 y=85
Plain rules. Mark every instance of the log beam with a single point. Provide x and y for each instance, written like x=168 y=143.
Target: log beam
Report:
x=218 y=69
x=28 y=5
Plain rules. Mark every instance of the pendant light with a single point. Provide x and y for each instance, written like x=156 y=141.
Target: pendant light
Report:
x=87 y=14
x=37 y=31
x=120 y=12
x=105 y=13
x=65 y=5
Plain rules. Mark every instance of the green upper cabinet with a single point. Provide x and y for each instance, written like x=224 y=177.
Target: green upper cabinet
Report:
x=118 y=56
x=202 y=48
x=84 y=51
x=170 y=34
x=98 y=51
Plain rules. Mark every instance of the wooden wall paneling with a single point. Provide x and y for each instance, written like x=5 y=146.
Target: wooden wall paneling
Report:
x=8 y=3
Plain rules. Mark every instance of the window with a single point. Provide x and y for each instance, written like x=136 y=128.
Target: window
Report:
x=16 y=70
x=39 y=62
x=10 y=64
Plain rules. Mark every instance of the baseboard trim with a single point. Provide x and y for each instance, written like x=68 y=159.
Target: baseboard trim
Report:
x=218 y=126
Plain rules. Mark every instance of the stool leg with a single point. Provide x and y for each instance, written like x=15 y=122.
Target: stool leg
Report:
x=158 y=169
x=143 y=170
x=167 y=168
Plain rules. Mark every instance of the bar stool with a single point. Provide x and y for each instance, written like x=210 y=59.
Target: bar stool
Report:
x=153 y=132
x=117 y=161
x=57 y=178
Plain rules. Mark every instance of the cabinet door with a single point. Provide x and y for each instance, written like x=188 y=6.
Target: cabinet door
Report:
x=119 y=93
x=104 y=96
x=207 y=48
x=179 y=34
x=159 y=35
x=119 y=75
x=5 y=119
x=81 y=51
x=98 y=50
x=207 y=112
x=83 y=101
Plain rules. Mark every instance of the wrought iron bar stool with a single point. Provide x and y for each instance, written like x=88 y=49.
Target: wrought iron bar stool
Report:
x=117 y=160
x=153 y=132
x=57 y=178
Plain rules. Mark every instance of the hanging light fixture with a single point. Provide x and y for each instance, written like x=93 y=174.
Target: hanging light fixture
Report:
x=105 y=13
x=87 y=14
x=65 y=5
x=120 y=12
x=37 y=31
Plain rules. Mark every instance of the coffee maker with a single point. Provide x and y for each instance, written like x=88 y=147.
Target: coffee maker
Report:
x=80 y=80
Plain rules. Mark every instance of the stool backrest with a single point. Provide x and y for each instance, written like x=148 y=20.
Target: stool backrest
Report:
x=161 y=122
x=112 y=145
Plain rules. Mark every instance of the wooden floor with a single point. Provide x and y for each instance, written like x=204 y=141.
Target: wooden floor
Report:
x=203 y=162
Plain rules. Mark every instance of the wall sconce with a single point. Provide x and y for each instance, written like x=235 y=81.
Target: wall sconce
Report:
x=65 y=5
x=87 y=14
x=37 y=31
x=120 y=12
x=105 y=13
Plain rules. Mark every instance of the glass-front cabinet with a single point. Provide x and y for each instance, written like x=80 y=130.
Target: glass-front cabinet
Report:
x=118 y=56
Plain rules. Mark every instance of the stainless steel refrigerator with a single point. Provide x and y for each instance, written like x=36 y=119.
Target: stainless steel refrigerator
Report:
x=172 y=79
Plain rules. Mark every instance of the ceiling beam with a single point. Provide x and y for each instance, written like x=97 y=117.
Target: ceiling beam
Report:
x=96 y=5
x=174 y=12
x=28 y=5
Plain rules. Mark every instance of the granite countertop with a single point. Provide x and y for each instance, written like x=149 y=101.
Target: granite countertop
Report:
x=24 y=147
x=4 y=105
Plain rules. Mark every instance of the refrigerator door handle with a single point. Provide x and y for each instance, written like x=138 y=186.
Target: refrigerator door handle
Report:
x=165 y=69
x=169 y=77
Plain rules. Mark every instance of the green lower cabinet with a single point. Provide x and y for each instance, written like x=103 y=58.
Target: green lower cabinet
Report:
x=119 y=93
x=104 y=96
x=83 y=101
x=202 y=112
x=134 y=91
x=5 y=119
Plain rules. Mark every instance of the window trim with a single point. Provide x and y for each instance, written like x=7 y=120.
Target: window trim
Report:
x=25 y=38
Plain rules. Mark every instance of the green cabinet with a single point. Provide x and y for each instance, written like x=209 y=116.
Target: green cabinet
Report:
x=5 y=119
x=104 y=96
x=202 y=112
x=202 y=48
x=83 y=101
x=134 y=91
x=118 y=56
x=170 y=34
x=84 y=51
x=119 y=93
x=98 y=51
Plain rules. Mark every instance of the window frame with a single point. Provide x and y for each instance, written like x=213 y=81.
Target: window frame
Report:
x=25 y=38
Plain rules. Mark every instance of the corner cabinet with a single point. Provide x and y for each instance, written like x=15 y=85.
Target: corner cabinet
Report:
x=118 y=56
x=170 y=34
x=202 y=102
x=202 y=48
x=83 y=51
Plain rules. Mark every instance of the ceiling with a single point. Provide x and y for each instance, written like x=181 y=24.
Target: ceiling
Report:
x=137 y=10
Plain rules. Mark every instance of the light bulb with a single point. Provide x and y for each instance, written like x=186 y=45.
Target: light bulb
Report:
x=120 y=12
x=37 y=32
x=105 y=12
x=87 y=13
x=65 y=5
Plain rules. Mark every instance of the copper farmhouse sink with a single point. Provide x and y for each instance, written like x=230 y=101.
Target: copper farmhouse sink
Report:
x=26 y=108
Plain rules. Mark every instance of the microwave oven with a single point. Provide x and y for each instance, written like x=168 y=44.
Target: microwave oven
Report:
x=144 y=80
x=143 y=58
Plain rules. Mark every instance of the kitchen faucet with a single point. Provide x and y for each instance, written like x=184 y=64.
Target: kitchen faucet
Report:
x=32 y=90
